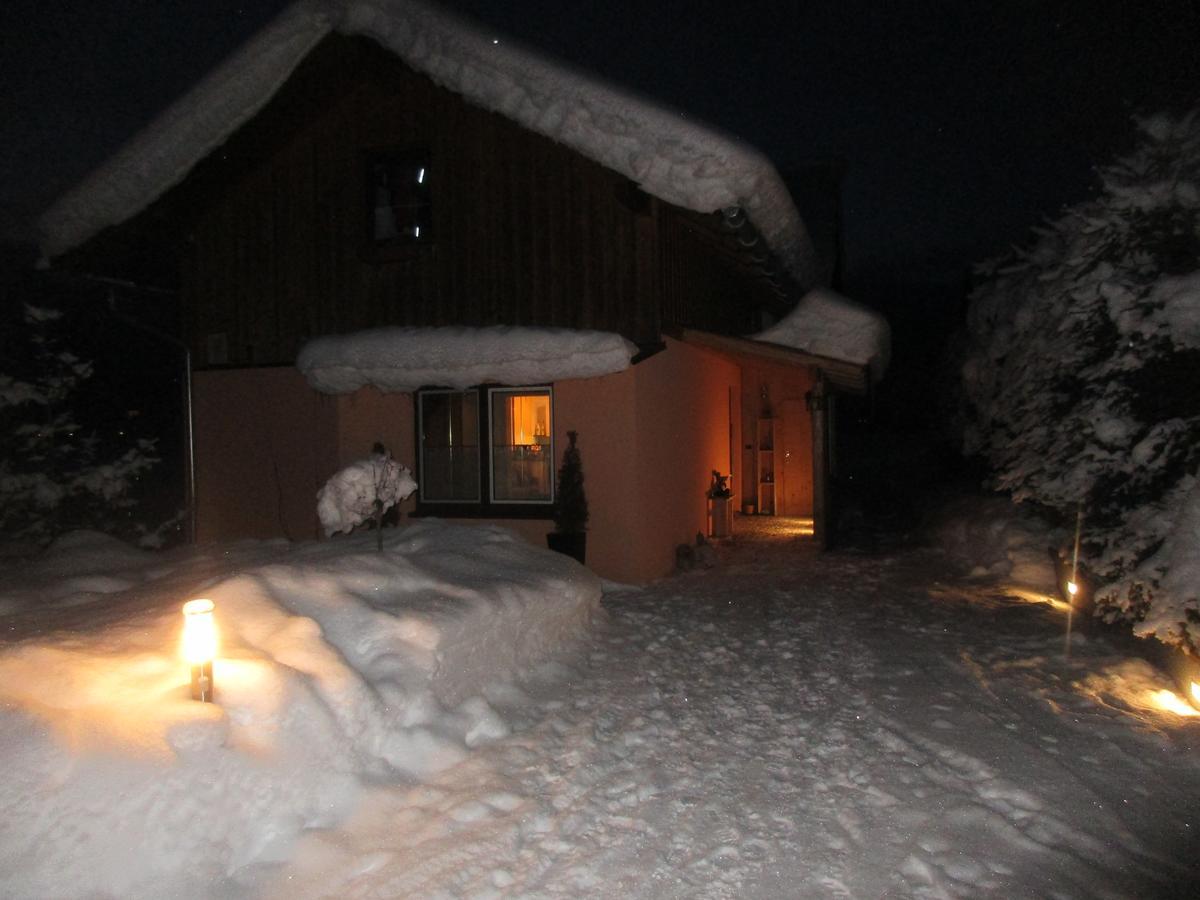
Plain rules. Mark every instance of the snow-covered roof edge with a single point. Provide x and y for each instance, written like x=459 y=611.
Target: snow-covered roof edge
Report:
x=824 y=323
x=404 y=359
x=668 y=155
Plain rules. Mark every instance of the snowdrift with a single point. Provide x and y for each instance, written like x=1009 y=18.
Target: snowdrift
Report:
x=338 y=666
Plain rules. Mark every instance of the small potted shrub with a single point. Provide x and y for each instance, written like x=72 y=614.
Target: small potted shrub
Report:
x=570 y=505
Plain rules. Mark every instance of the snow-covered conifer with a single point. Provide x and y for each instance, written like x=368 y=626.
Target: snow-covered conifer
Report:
x=1081 y=371
x=56 y=474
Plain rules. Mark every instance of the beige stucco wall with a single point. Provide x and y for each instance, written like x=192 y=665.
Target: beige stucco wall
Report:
x=649 y=438
x=684 y=397
x=265 y=443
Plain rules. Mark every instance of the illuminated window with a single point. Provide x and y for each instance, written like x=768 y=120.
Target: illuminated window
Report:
x=487 y=451
x=521 y=458
x=399 y=203
x=449 y=428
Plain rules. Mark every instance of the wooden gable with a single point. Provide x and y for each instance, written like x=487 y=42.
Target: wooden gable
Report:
x=270 y=233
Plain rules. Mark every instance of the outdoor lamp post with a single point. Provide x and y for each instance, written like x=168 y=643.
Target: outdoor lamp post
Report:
x=200 y=646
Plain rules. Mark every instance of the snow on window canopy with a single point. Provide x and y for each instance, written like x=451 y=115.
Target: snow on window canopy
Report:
x=825 y=323
x=404 y=359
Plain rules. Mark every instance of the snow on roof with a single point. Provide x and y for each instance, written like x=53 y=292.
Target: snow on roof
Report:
x=824 y=323
x=670 y=156
x=404 y=359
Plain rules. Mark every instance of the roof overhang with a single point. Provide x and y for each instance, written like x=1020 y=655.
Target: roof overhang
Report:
x=854 y=378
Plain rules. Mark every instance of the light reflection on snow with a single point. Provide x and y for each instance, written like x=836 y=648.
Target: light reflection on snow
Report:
x=1030 y=596
x=1171 y=702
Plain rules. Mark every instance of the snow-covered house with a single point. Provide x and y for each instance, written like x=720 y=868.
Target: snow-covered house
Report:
x=385 y=224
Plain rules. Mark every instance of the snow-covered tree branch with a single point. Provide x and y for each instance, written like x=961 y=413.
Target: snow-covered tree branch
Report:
x=1081 y=374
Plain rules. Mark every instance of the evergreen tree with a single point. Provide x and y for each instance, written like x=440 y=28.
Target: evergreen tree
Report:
x=1082 y=366
x=570 y=502
x=57 y=474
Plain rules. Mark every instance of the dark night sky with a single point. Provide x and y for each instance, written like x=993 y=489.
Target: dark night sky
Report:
x=960 y=123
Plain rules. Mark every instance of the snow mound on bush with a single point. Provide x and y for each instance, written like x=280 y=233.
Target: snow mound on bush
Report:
x=337 y=665
x=350 y=495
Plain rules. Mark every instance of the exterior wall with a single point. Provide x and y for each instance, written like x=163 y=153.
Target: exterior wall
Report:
x=786 y=390
x=368 y=416
x=687 y=401
x=649 y=438
x=265 y=443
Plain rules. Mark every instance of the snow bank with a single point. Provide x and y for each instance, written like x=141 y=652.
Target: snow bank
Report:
x=664 y=152
x=338 y=665
x=993 y=537
x=404 y=359
x=825 y=323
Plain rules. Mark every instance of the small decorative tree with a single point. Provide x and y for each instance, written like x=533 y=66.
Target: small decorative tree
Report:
x=570 y=505
x=364 y=491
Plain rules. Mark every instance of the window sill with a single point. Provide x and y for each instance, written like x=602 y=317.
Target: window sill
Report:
x=483 y=511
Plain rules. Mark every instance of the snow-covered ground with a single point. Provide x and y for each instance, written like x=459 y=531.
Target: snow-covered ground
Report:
x=782 y=725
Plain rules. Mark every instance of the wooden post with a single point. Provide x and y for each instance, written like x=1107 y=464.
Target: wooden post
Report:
x=818 y=402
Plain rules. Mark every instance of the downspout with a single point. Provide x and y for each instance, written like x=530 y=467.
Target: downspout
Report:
x=188 y=418
x=818 y=399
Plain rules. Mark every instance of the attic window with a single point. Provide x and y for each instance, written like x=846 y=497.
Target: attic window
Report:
x=399 y=201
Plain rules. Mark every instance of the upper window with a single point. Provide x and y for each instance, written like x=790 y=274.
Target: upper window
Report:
x=399 y=204
x=487 y=451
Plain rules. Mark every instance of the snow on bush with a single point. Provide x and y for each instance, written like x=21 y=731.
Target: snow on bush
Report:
x=339 y=668
x=363 y=490
x=56 y=473
x=1081 y=373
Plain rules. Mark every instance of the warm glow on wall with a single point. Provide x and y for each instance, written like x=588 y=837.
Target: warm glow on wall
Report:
x=200 y=646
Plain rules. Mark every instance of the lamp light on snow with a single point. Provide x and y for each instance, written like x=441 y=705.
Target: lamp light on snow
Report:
x=200 y=646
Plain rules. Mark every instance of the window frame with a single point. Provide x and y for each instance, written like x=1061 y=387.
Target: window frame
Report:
x=486 y=507
x=420 y=422
x=401 y=245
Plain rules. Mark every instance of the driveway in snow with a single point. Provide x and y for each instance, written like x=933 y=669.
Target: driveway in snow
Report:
x=795 y=725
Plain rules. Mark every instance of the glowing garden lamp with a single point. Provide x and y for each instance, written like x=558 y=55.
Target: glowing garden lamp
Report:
x=1072 y=589
x=200 y=646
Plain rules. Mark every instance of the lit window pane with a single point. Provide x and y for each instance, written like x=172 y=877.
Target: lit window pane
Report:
x=522 y=458
x=450 y=446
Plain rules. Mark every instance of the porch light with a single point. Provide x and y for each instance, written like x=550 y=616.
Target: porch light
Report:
x=200 y=646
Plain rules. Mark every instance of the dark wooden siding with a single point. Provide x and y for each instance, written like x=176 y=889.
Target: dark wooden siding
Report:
x=526 y=230
x=272 y=241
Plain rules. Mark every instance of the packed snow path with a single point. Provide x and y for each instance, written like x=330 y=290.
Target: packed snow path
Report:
x=789 y=725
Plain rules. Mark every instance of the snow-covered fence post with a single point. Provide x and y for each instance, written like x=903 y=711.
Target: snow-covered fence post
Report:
x=363 y=490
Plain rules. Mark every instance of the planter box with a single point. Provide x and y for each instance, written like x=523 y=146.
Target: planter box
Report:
x=572 y=544
x=720 y=517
